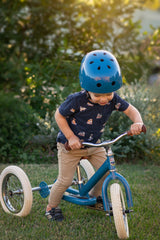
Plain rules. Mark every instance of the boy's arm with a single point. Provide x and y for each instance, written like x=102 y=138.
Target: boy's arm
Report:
x=73 y=140
x=136 y=118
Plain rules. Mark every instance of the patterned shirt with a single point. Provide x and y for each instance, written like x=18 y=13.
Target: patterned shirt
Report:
x=87 y=119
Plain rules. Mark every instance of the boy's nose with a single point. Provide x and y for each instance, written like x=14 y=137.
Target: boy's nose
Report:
x=104 y=99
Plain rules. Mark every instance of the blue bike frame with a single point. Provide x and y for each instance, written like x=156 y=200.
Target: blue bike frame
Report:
x=81 y=196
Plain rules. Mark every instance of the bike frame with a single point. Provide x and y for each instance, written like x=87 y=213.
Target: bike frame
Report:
x=81 y=196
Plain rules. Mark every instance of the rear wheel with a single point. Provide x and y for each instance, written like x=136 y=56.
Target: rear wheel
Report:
x=15 y=191
x=87 y=167
x=86 y=171
x=118 y=207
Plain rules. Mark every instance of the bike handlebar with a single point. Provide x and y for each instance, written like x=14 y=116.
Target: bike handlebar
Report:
x=106 y=143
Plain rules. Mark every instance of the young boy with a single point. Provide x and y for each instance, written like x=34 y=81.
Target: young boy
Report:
x=83 y=116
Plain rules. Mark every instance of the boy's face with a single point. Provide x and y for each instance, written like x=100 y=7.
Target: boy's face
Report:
x=101 y=98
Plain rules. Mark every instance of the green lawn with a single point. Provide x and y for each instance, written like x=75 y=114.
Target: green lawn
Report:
x=83 y=223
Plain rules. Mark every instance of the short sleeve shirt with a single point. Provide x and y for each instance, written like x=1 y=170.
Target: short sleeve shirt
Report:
x=87 y=119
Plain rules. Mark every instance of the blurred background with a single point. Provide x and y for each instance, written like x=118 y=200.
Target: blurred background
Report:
x=42 y=43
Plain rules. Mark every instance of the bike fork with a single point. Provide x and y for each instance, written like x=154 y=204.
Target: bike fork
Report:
x=112 y=176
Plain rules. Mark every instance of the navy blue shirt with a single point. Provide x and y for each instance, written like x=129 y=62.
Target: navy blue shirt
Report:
x=87 y=119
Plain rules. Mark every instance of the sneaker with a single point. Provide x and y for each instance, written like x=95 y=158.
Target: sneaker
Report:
x=98 y=205
x=99 y=199
x=55 y=214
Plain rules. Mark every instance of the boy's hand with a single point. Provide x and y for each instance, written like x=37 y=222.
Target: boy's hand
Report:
x=136 y=128
x=74 y=143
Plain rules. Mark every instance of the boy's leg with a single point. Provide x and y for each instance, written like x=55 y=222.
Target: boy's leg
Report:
x=68 y=161
x=67 y=165
x=97 y=157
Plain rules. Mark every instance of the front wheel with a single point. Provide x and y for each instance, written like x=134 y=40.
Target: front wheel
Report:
x=15 y=191
x=118 y=207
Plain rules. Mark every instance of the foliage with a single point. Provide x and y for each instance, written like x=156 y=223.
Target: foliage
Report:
x=32 y=31
x=17 y=126
x=69 y=24
x=48 y=83
x=152 y=4
x=142 y=147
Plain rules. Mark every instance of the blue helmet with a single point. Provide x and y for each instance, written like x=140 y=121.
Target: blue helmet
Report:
x=100 y=72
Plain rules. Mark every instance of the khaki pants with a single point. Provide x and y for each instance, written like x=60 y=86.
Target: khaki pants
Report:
x=68 y=161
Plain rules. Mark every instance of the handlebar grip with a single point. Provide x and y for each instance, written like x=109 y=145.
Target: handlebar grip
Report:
x=144 y=130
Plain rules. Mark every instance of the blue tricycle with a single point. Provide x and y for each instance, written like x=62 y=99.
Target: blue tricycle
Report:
x=16 y=192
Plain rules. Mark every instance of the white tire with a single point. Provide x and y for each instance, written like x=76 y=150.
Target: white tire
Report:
x=118 y=207
x=88 y=168
x=15 y=191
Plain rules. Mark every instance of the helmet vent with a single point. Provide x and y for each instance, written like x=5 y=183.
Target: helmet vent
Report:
x=102 y=60
x=99 y=84
x=91 y=62
x=99 y=68
x=113 y=83
x=112 y=60
x=94 y=54
x=104 y=53
x=108 y=66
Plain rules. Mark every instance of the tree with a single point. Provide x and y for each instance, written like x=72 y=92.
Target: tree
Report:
x=34 y=30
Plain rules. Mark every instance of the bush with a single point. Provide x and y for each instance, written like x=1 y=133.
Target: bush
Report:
x=142 y=147
x=47 y=84
x=17 y=126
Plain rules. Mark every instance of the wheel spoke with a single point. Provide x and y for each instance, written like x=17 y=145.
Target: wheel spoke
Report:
x=15 y=191
x=14 y=202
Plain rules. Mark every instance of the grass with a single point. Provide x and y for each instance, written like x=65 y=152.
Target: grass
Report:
x=83 y=223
